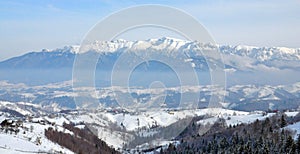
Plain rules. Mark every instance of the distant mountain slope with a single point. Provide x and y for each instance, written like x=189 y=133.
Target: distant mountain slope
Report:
x=58 y=58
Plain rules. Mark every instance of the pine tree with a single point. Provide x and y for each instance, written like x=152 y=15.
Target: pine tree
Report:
x=298 y=144
x=209 y=147
x=289 y=144
x=293 y=149
x=282 y=121
x=223 y=143
x=161 y=150
x=270 y=129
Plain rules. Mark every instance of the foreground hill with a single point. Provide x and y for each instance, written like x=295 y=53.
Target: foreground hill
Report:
x=85 y=130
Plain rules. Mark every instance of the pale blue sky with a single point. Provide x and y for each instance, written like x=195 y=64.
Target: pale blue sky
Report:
x=31 y=25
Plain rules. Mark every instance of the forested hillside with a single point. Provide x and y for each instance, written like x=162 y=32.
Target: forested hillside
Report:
x=265 y=136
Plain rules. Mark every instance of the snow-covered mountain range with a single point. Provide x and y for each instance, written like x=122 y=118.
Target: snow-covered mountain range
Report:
x=243 y=64
x=233 y=55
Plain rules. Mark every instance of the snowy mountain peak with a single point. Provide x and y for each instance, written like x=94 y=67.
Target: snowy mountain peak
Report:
x=71 y=48
x=263 y=53
x=114 y=45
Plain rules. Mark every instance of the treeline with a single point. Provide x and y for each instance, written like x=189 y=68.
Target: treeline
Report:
x=83 y=141
x=266 y=136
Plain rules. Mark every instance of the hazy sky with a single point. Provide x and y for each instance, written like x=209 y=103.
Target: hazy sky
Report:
x=31 y=25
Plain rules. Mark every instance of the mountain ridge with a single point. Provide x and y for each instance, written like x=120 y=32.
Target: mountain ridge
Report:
x=243 y=50
x=64 y=57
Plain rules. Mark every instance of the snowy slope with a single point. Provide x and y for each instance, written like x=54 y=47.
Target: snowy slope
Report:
x=295 y=127
x=18 y=144
x=30 y=138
